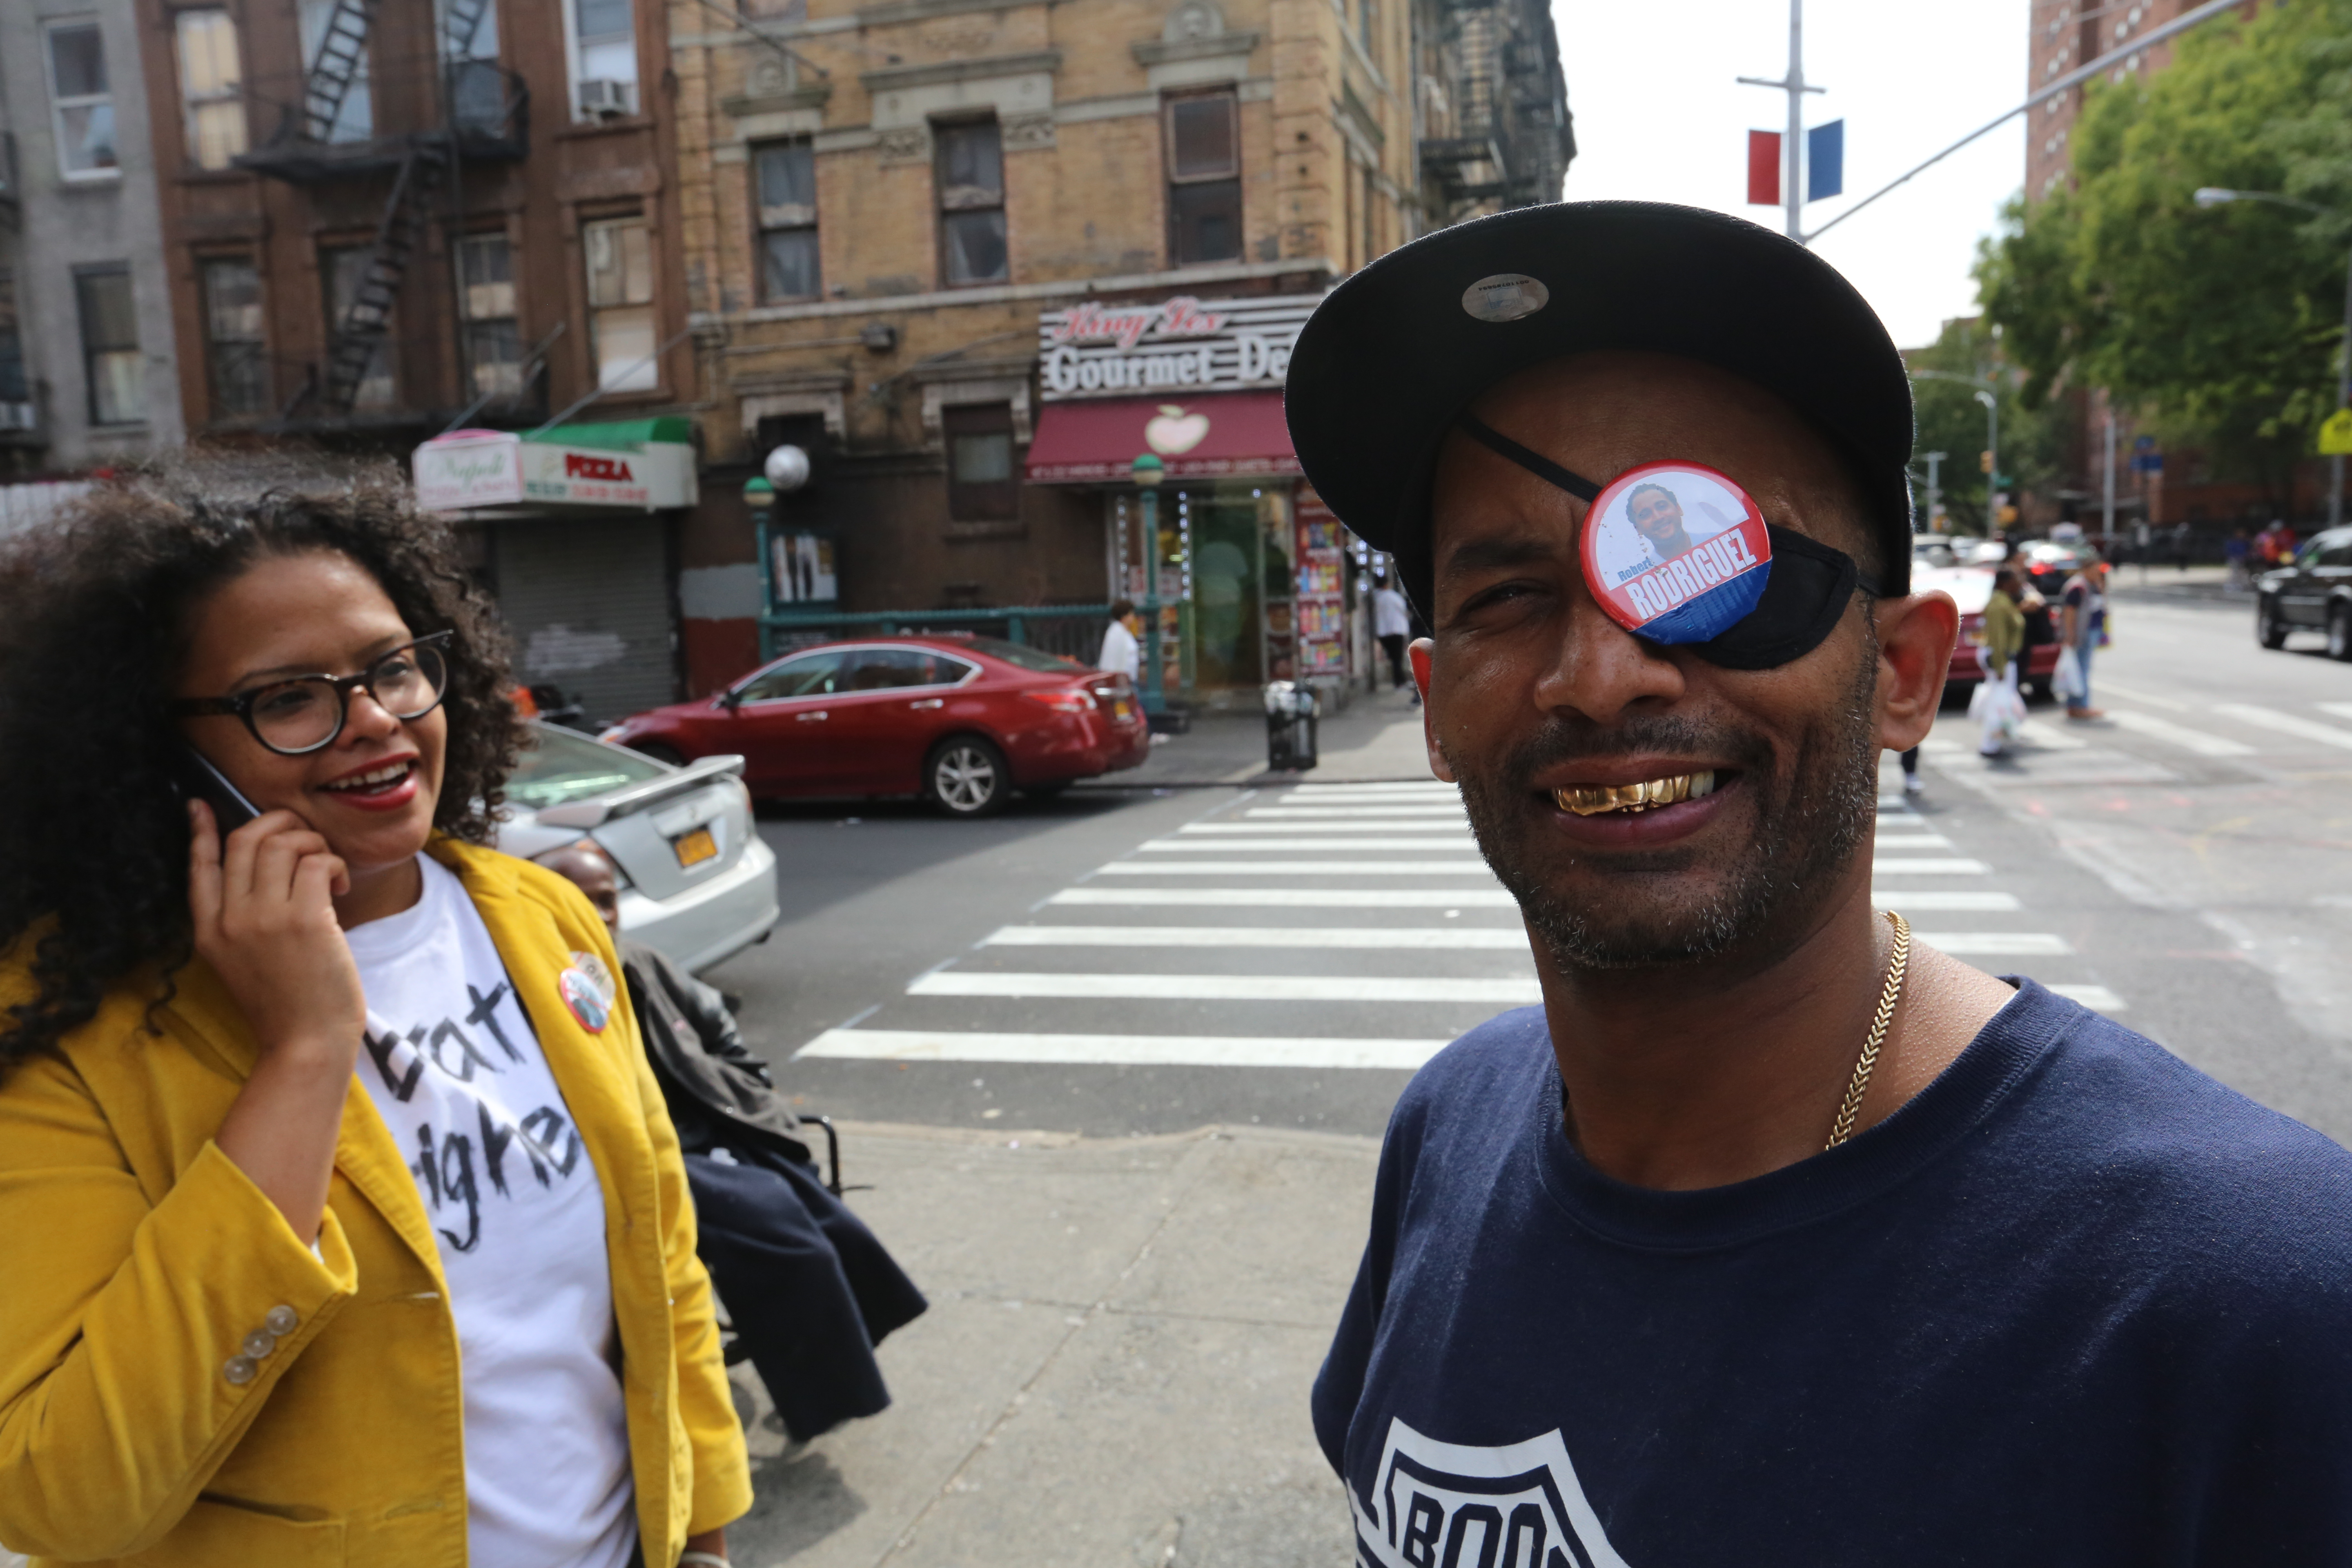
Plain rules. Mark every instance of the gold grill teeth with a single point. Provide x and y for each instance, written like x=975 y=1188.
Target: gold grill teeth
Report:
x=1594 y=799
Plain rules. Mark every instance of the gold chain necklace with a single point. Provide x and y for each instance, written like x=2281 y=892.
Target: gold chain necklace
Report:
x=1851 y=1106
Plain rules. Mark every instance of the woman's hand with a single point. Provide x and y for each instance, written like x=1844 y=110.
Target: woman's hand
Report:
x=265 y=921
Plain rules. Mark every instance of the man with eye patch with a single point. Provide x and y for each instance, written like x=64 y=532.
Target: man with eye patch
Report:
x=1773 y=1236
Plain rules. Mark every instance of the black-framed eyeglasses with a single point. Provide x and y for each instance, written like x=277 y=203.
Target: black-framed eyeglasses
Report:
x=305 y=712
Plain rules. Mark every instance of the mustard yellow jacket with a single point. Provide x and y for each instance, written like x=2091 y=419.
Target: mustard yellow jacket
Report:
x=136 y=1259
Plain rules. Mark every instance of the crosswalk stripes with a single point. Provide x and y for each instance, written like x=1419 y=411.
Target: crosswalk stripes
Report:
x=1327 y=926
x=2287 y=723
x=2180 y=735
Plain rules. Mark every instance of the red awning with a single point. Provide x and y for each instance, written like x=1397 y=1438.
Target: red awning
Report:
x=1224 y=435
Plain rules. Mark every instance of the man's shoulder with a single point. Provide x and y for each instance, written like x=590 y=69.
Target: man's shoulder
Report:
x=1501 y=1056
x=2160 y=1147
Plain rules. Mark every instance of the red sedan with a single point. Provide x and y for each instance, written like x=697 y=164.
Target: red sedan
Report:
x=962 y=722
x=1970 y=587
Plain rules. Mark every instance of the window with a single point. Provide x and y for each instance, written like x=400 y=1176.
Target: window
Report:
x=109 y=346
x=355 y=120
x=211 y=88
x=1204 y=184
x=235 y=357
x=784 y=175
x=981 y=486
x=604 y=57
x=344 y=267
x=887 y=668
x=971 y=202
x=82 y=103
x=621 y=304
x=811 y=675
x=468 y=31
x=486 y=304
x=16 y=391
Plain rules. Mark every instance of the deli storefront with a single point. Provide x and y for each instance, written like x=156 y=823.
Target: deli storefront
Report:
x=1253 y=569
x=575 y=531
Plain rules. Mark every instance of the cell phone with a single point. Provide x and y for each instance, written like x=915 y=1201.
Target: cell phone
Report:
x=199 y=780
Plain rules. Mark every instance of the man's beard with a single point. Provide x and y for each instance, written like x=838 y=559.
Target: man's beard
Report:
x=1808 y=827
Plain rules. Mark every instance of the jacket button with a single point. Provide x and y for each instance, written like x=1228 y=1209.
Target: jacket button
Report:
x=259 y=1344
x=281 y=1320
x=239 y=1369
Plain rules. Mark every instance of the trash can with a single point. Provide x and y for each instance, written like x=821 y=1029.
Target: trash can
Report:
x=1289 y=726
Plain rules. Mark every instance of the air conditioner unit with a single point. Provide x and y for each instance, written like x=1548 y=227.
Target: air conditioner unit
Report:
x=605 y=99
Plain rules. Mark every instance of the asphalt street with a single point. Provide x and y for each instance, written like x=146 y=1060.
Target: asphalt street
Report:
x=1155 y=960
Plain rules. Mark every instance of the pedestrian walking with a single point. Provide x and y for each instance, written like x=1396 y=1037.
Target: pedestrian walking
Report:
x=1123 y=645
x=808 y=1288
x=2235 y=551
x=1998 y=704
x=2181 y=541
x=340 y=1217
x=1910 y=760
x=2082 y=619
x=1709 y=1257
x=1393 y=625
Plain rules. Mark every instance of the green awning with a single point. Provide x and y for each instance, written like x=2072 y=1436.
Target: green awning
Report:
x=621 y=435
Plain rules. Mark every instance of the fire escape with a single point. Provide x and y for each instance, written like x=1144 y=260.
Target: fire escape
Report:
x=484 y=112
x=1508 y=143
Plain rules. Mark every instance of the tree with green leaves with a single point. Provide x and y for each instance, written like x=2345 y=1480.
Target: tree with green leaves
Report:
x=1967 y=356
x=2219 y=326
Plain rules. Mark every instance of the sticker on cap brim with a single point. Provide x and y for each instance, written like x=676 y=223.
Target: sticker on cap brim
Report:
x=1675 y=552
x=1506 y=297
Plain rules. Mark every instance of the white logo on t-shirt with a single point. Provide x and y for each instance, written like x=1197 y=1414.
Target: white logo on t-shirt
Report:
x=1441 y=1505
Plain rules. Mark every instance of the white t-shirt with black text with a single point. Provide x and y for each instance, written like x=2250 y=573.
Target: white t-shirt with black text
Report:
x=454 y=1068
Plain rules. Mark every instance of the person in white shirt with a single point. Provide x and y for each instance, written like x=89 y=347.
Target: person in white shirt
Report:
x=1122 y=650
x=1392 y=623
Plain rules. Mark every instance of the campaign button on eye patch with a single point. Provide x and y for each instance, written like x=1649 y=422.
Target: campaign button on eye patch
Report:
x=1676 y=553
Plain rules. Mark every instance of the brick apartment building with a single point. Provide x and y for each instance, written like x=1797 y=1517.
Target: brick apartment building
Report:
x=384 y=218
x=975 y=255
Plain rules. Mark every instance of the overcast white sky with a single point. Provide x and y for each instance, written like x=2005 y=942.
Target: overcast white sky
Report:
x=1659 y=117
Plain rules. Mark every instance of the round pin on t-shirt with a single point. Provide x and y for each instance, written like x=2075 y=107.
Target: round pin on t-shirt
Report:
x=1675 y=552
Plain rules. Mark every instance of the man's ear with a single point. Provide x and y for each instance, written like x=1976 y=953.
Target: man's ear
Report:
x=1916 y=635
x=1419 y=653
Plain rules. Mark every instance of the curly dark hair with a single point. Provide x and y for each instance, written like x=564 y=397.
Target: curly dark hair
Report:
x=95 y=609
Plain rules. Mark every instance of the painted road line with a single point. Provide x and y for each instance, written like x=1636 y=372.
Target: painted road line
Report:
x=1376 y=938
x=1914 y=841
x=2098 y=998
x=1997 y=943
x=1374 y=786
x=1453 y=843
x=2286 y=724
x=1497 y=992
x=1123 y=1051
x=1352 y=813
x=2046 y=734
x=1321 y=898
x=1929 y=869
x=2341 y=710
x=1941 y=900
x=2180 y=735
x=2131 y=694
x=1297 y=868
x=1274 y=829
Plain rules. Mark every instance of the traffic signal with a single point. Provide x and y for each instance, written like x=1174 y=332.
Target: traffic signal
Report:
x=1984 y=461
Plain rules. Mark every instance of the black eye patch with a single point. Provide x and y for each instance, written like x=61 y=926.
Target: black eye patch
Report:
x=1671 y=552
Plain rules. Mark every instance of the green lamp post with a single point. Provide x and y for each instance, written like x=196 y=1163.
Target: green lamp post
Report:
x=761 y=497
x=1148 y=470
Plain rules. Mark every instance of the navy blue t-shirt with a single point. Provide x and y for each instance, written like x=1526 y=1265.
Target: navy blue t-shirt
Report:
x=2075 y=1306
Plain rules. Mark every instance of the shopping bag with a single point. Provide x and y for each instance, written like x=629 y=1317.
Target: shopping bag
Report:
x=2066 y=680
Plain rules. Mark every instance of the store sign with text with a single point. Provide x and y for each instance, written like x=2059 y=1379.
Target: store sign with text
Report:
x=1180 y=345
x=469 y=469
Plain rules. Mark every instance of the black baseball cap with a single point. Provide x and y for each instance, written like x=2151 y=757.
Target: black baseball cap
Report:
x=1393 y=357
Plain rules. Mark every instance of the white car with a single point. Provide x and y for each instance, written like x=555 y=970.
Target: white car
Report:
x=696 y=880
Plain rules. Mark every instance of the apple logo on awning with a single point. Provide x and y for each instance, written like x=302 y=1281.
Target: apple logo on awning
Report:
x=1171 y=432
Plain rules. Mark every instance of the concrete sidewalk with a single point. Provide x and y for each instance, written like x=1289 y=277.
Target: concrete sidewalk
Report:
x=1375 y=739
x=1115 y=1367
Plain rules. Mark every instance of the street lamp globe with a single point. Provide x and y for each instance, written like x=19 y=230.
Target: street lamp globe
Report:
x=1150 y=470
x=787 y=468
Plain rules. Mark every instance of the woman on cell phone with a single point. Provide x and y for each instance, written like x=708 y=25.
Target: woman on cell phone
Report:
x=340 y=1217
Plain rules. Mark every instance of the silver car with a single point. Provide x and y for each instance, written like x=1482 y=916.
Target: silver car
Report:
x=696 y=880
